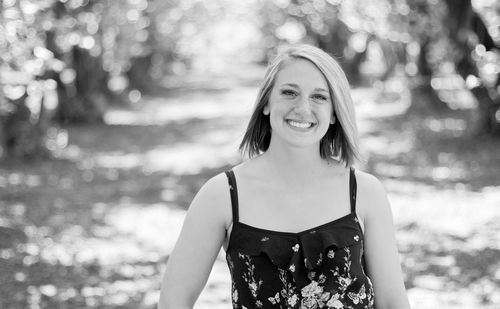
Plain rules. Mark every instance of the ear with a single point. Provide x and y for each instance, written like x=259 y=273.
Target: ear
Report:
x=266 y=111
x=333 y=119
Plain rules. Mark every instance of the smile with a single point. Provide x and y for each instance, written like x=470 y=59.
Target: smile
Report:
x=300 y=124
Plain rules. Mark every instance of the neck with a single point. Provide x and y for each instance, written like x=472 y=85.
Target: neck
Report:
x=298 y=165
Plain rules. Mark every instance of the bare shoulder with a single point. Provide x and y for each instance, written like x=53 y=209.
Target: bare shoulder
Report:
x=372 y=196
x=369 y=184
x=213 y=199
x=215 y=188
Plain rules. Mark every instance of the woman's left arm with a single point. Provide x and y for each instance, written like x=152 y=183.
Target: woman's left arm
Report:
x=382 y=257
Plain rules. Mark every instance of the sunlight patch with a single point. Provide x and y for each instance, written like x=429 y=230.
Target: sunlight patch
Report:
x=154 y=226
x=458 y=212
x=182 y=158
x=423 y=298
x=158 y=111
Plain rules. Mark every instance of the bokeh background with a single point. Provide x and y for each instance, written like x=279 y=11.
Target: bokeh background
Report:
x=114 y=113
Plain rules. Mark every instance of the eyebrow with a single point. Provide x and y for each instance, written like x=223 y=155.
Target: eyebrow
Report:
x=296 y=86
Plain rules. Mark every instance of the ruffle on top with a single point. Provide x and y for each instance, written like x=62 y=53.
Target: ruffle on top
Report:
x=297 y=252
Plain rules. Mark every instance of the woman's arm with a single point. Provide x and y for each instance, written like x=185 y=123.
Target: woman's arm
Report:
x=199 y=243
x=382 y=258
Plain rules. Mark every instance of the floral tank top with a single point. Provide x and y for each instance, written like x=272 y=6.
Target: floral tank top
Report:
x=321 y=267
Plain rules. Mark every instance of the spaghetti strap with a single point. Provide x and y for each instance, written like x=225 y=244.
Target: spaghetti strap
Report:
x=352 y=189
x=234 y=194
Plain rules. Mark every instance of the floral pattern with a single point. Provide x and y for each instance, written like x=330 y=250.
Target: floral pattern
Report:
x=331 y=278
x=321 y=267
x=249 y=277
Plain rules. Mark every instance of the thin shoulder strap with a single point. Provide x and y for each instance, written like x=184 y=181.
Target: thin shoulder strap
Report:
x=352 y=189
x=234 y=194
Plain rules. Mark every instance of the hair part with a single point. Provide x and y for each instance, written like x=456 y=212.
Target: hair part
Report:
x=341 y=139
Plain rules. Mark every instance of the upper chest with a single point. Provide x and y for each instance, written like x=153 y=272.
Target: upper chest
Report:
x=277 y=205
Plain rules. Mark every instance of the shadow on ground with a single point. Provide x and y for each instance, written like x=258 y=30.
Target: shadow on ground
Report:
x=444 y=181
x=439 y=148
x=93 y=228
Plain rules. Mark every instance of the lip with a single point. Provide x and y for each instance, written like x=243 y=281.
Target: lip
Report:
x=287 y=121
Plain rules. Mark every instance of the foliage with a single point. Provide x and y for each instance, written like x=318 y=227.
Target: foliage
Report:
x=428 y=39
x=66 y=60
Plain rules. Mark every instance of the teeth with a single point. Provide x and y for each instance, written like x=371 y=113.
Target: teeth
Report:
x=297 y=124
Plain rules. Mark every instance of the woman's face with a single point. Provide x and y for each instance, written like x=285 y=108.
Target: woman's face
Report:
x=300 y=107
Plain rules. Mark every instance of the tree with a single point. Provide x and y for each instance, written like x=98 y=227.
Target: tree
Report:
x=468 y=31
x=315 y=22
x=420 y=35
x=90 y=53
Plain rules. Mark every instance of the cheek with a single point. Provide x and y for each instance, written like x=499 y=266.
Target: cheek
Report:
x=278 y=106
x=325 y=110
x=329 y=110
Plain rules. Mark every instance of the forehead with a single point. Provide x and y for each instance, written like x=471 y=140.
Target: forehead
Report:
x=301 y=72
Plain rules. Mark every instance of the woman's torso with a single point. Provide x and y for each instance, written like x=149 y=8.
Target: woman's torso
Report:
x=278 y=261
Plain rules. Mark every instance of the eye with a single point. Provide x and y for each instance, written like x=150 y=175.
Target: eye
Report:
x=320 y=97
x=289 y=93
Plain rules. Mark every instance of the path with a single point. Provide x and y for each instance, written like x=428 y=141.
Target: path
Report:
x=94 y=228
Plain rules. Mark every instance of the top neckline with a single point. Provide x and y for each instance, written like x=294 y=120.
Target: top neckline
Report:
x=235 y=208
x=295 y=234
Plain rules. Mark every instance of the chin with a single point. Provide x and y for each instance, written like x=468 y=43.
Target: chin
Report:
x=303 y=142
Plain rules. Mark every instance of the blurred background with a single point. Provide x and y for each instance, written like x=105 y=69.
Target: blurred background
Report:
x=114 y=113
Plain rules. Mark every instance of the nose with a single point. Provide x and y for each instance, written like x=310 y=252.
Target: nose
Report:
x=303 y=106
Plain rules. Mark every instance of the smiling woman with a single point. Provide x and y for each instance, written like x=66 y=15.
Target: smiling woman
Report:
x=297 y=105
x=332 y=88
x=301 y=228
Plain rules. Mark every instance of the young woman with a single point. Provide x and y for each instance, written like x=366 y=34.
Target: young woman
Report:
x=301 y=228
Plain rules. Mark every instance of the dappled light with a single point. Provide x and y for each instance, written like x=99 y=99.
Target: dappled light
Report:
x=113 y=114
x=155 y=111
x=180 y=159
x=116 y=242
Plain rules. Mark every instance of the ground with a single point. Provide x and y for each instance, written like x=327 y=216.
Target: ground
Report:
x=94 y=227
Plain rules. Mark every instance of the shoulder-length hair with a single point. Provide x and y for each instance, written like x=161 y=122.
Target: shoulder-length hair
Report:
x=341 y=139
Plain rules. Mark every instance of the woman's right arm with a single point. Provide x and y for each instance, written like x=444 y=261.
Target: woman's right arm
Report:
x=198 y=245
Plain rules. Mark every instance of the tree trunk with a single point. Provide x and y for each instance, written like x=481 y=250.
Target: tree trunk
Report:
x=23 y=138
x=463 y=23
x=86 y=102
x=423 y=88
x=139 y=74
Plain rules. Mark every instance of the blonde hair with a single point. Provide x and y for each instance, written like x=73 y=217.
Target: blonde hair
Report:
x=341 y=139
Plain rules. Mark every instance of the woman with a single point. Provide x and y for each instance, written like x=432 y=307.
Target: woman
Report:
x=300 y=227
